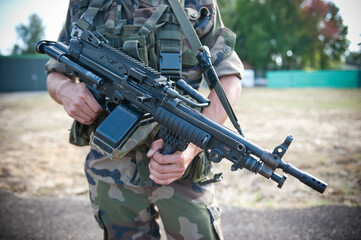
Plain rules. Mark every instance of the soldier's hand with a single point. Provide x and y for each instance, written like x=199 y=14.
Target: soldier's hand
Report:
x=76 y=98
x=79 y=103
x=165 y=169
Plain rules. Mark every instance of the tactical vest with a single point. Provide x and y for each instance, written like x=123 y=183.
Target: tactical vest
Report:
x=157 y=43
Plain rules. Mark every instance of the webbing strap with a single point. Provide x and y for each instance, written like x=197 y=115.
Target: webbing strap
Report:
x=169 y=41
x=149 y=25
x=210 y=74
x=186 y=26
x=87 y=18
x=148 y=28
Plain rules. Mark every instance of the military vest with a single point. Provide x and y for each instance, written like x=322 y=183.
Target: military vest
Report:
x=153 y=36
x=156 y=40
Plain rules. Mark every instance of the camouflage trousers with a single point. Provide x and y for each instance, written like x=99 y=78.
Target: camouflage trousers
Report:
x=185 y=210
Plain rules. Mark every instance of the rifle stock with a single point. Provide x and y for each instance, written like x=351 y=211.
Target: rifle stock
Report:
x=135 y=94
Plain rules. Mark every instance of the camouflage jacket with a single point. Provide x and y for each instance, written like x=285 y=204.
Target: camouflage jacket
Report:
x=203 y=14
x=205 y=17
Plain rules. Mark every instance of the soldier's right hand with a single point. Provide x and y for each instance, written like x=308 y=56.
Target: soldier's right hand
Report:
x=75 y=97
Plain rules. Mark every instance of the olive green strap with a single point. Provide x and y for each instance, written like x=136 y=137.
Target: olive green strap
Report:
x=131 y=48
x=148 y=28
x=210 y=76
x=87 y=19
x=149 y=25
x=185 y=24
x=169 y=43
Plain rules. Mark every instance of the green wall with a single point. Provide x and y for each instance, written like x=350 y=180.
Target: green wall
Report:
x=322 y=79
x=22 y=73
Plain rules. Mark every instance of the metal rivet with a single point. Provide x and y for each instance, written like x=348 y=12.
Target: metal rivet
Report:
x=194 y=15
x=227 y=49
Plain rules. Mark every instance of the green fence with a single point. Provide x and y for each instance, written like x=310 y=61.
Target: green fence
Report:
x=322 y=79
x=22 y=73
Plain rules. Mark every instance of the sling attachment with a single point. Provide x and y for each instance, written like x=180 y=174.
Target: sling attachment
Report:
x=169 y=43
x=87 y=19
x=204 y=58
x=147 y=30
x=216 y=178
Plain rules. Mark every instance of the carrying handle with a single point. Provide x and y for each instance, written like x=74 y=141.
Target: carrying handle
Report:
x=185 y=87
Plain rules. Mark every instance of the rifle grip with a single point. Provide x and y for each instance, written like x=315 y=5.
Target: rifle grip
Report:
x=172 y=142
x=168 y=149
x=100 y=97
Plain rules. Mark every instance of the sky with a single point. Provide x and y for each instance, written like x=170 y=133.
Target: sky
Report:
x=53 y=13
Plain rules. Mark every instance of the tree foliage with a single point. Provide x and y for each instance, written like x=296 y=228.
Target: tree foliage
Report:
x=29 y=35
x=284 y=34
x=326 y=32
x=354 y=59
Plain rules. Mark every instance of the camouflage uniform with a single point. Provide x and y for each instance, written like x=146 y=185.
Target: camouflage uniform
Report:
x=126 y=203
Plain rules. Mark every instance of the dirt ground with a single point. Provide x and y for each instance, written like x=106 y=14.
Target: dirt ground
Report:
x=37 y=161
x=52 y=218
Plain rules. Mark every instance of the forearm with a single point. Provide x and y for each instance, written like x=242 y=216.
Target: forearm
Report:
x=55 y=83
x=232 y=88
x=75 y=97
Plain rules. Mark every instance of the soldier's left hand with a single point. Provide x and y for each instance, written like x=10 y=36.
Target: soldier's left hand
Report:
x=165 y=169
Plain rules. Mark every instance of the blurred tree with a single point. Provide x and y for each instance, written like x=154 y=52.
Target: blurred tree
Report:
x=269 y=33
x=29 y=35
x=326 y=33
x=283 y=34
x=354 y=59
x=226 y=8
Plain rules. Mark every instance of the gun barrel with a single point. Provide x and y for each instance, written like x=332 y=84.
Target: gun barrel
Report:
x=58 y=51
x=304 y=177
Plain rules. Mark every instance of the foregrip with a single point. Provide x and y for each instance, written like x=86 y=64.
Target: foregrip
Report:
x=181 y=127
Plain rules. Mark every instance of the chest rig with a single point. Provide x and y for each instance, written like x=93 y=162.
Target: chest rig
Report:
x=157 y=42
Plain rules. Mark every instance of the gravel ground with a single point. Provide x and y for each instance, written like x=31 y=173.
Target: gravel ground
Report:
x=71 y=218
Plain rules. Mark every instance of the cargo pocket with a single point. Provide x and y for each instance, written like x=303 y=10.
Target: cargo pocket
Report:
x=135 y=46
x=98 y=218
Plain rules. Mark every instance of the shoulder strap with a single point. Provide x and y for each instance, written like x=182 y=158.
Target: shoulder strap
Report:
x=147 y=31
x=204 y=59
x=87 y=19
x=186 y=26
x=149 y=25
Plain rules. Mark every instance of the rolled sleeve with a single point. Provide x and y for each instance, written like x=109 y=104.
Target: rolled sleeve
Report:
x=54 y=66
x=231 y=65
x=225 y=60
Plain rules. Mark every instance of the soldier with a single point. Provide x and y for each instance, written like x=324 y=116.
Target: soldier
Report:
x=129 y=194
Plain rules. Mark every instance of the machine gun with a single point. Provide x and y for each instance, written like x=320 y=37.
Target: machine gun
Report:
x=135 y=94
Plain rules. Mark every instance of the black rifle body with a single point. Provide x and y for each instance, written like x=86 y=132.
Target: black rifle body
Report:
x=119 y=81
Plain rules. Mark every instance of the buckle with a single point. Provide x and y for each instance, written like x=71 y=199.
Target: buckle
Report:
x=170 y=63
